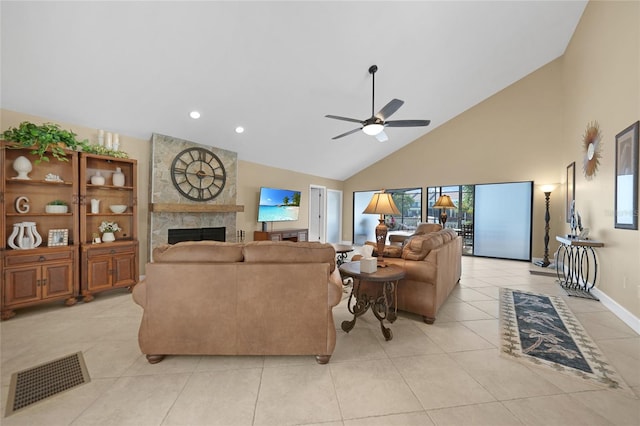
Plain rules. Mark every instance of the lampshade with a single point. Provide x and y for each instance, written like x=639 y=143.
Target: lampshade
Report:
x=381 y=203
x=373 y=129
x=444 y=202
x=548 y=188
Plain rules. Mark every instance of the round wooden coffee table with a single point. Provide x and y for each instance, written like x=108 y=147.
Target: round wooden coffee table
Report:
x=385 y=281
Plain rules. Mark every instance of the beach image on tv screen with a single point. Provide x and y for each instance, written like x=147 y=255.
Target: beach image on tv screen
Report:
x=278 y=205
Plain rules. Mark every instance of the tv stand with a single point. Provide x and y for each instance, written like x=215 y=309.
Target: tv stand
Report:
x=282 y=235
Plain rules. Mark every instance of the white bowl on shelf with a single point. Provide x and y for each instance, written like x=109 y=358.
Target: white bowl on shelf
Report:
x=118 y=208
x=52 y=208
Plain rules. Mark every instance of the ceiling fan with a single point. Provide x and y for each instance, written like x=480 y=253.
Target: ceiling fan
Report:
x=374 y=126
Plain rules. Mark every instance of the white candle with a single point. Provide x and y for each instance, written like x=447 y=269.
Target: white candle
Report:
x=109 y=140
x=100 y=137
x=116 y=142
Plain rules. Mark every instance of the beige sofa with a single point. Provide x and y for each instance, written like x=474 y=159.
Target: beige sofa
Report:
x=258 y=298
x=432 y=258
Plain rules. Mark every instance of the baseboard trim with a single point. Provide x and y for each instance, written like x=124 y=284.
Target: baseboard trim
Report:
x=618 y=310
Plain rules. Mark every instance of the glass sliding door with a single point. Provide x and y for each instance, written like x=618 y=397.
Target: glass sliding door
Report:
x=502 y=220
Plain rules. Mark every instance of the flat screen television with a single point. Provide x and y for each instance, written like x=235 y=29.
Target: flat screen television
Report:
x=278 y=205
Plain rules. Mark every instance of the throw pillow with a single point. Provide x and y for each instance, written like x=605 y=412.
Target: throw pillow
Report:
x=421 y=245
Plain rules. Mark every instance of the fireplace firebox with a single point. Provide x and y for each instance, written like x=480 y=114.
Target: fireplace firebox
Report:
x=197 y=234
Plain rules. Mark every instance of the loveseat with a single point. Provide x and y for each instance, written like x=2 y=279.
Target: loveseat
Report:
x=432 y=259
x=256 y=298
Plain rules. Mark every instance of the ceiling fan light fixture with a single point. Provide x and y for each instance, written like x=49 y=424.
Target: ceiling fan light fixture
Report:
x=373 y=129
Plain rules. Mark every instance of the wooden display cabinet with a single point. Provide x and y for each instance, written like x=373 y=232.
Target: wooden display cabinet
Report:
x=48 y=272
x=107 y=265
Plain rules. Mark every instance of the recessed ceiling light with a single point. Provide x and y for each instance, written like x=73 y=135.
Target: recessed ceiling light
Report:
x=194 y=114
x=239 y=129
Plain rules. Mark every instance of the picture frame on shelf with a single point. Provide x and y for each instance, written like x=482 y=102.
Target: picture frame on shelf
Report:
x=626 y=185
x=570 y=189
x=58 y=237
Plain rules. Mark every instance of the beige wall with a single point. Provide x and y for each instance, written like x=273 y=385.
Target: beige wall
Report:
x=251 y=177
x=510 y=137
x=136 y=148
x=529 y=131
x=533 y=129
x=601 y=81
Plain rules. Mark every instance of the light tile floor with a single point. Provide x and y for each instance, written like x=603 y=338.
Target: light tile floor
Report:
x=448 y=373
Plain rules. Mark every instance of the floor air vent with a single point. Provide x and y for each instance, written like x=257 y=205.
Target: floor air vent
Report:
x=38 y=383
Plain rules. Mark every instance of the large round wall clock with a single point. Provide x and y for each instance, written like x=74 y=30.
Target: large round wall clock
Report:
x=592 y=149
x=198 y=174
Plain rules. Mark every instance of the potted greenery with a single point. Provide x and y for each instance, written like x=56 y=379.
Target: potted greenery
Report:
x=43 y=139
x=56 y=206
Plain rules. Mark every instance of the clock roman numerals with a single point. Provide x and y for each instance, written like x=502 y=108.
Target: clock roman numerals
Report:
x=198 y=174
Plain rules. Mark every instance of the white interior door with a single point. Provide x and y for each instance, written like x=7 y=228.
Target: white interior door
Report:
x=334 y=216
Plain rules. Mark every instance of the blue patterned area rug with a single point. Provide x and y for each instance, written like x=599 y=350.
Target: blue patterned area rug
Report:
x=541 y=330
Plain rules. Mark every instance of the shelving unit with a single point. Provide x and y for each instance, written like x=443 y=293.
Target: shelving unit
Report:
x=107 y=265
x=46 y=273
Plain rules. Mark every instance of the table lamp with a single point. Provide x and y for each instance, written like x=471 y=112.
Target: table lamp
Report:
x=381 y=203
x=444 y=203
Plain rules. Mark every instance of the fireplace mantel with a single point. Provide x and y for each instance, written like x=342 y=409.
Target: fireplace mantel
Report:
x=194 y=208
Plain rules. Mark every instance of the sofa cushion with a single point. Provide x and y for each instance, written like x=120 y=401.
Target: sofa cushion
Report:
x=419 y=246
x=289 y=252
x=389 y=250
x=198 y=251
x=426 y=228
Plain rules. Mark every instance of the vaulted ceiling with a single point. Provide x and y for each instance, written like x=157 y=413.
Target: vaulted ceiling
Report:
x=274 y=68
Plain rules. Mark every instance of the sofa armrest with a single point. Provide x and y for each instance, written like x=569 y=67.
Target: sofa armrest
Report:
x=335 y=288
x=139 y=293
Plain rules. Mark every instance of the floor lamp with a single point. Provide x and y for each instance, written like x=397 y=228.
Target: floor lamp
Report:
x=381 y=203
x=547 y=189
x=444 y=203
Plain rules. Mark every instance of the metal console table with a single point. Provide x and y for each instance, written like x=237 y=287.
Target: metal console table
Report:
x=577 y=266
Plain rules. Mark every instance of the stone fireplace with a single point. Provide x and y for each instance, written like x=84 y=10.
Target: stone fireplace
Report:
x=168 y=209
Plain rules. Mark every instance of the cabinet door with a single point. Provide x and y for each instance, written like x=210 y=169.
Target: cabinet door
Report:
x=124 y=270
x=57 y=280
x=22 y=285
x=99 y=273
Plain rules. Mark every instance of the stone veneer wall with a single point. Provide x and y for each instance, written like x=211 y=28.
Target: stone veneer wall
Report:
x=163 y=151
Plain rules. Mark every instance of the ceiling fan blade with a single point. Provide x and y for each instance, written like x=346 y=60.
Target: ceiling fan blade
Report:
x=407 y=123
x=389 y=109
x=337 y=117
x=382 y=136
x=347 y=134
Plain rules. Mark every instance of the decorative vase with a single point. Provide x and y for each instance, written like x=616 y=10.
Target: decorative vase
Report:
x=24 y=236
x=97 y=179
x=22 y=165
x=95 y=206
x=108 y=237
x=118 y=177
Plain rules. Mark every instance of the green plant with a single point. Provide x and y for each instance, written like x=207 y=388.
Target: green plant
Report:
x=48 y=137
x=103 y=150
x=57 y=203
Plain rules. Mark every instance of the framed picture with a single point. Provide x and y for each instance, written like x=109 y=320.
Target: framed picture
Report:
x=58 y=237
x=571 y=188
x=626 y=195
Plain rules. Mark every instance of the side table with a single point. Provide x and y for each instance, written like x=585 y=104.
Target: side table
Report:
x=341 y=252
x=577 y=266
x=385 y=281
